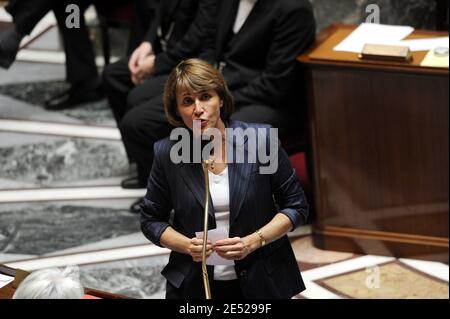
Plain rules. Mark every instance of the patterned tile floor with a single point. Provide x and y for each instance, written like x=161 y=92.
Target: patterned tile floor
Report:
x=338 y=275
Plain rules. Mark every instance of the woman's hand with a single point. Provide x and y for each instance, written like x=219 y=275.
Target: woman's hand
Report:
x=195 y=249
x=235 y=248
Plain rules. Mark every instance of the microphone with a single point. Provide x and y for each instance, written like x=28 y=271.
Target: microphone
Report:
x=205 y=164
x=198 y=145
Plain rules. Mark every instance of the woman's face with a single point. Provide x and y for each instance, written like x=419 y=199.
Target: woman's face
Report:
x=203 y=106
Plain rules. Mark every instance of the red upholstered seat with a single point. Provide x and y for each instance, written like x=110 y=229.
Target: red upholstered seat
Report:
x=298 y=162
x=295 y=148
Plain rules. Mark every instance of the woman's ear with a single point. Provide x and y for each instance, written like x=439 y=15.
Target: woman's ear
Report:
x=221 y=103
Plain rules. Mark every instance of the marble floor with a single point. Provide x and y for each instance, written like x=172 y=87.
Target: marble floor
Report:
x=61 y=203
x=135 y=278
x=29 y=161
x=338 y=275
x=45 y=227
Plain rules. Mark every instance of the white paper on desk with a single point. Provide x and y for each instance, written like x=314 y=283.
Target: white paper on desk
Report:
x=215 y=235
x=374 y=34
x=433 y=61
x=4 y=280
x=425 y=44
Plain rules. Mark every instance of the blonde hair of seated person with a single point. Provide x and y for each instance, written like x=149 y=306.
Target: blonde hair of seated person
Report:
x=51 y=283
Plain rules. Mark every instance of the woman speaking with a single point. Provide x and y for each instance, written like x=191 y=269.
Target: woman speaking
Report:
x=257 y=210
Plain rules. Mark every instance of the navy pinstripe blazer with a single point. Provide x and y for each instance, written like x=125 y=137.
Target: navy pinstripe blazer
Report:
x=268 y=272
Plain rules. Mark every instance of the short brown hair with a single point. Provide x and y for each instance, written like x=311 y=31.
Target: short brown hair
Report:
x=195 y=75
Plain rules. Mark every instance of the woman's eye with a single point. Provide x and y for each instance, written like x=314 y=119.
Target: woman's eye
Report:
x=188 y=101
x=205 y=96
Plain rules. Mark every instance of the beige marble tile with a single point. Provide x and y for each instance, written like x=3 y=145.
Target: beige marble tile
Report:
x=306 y=252
x=392 y=281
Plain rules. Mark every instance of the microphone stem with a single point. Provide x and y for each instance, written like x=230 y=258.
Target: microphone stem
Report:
x=205 y=231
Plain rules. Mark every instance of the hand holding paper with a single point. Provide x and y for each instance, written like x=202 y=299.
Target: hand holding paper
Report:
x=213 y=236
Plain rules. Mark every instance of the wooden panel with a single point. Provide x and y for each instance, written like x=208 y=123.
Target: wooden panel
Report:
x=379 y=138
x=7 y=291
x=382 y=153
x=380 y=245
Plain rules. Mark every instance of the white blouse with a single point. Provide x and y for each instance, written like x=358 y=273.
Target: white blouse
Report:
x=220 y=194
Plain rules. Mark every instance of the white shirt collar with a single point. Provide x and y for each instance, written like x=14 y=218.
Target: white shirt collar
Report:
x=245 y=7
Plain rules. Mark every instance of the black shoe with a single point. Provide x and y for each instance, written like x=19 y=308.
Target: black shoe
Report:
x=132 y=182
x=135 y=208
x=73 y=97
x=9 y=46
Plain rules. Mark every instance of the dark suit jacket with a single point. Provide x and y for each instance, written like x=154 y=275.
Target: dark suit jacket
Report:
x=185 y=26
x=260 y=59
x=268 y=272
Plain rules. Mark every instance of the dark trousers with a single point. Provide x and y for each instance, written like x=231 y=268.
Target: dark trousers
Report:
x=26 y=14
x=80 y=56
x=139 y=113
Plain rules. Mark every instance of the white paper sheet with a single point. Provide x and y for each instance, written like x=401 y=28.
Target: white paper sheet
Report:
x=4 y=280
x=374 y=34
x=215 y=235
x=425 y=44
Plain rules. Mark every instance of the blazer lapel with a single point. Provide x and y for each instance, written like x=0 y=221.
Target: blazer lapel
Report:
x=239 y=182
x=239 y=177
x=229 y=8
x=167 y=12
x=259 y=10
x=192 y=175
x=173 y=6
x=170 y=8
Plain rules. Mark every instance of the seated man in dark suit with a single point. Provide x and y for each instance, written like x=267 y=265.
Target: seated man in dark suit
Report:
x=134 y=85
x=255 y=46
x=256 y=49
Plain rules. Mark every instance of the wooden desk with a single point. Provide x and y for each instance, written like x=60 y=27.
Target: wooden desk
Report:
x=379 y=137
x=7 y=291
